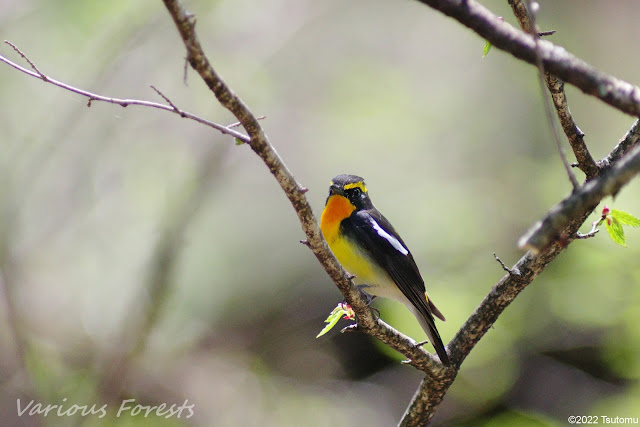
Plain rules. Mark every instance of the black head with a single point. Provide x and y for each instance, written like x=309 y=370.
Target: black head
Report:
x=353 y=188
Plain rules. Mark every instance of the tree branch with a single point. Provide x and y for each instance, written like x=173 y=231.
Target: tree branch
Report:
x=531 y=9
x=122 y=102
x=259 y=143
x=438 y=378
x=367 y=321
x=556 y=87
x=571 y=214
x=626 y=143
x=615 y=92
x=552 y=226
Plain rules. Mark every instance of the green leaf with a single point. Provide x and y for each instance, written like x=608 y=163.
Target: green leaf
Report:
x=625 y=218
x=239 y=141
x=331 y=321
x=615 y=231
x=341 y=310
x=487 y=48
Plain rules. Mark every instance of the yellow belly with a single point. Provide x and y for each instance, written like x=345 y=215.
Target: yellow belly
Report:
x=354 y=260
x=367 y=273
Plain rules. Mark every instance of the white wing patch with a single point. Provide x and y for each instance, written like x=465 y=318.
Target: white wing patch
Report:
x=388 y=237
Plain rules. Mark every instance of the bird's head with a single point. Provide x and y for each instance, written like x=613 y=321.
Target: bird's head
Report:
x=352 y=188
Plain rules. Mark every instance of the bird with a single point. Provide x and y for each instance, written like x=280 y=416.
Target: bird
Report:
x=367 y=246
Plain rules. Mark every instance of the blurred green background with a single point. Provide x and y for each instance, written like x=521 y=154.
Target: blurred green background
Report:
x=145 y=256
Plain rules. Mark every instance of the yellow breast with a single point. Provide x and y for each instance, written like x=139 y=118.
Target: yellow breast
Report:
x=348 y=253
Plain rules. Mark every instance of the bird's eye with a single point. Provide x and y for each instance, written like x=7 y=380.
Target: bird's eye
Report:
x=356 y=192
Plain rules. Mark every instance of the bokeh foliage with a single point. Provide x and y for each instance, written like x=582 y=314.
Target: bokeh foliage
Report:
x=456 y=153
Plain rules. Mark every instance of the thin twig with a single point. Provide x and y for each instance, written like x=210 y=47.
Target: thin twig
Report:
x=502 y=264
x=533 y=10
x=185 y=73
x=559 y=97
x=162 y=95
x=594 y=225
x=236 y=124
x=123 y=102
x=38 y=72
x=594 y=230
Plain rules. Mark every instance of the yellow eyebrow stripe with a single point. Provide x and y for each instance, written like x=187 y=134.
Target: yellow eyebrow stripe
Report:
x=359 y=185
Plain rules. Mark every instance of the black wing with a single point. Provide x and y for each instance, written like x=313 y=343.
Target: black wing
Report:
x=401 y=267
x=393 y=256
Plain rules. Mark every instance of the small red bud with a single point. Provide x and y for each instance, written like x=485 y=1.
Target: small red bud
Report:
x=605 y=210
x=349 y=315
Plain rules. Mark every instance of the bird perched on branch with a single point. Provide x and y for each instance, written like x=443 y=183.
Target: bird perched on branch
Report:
x=367 y=245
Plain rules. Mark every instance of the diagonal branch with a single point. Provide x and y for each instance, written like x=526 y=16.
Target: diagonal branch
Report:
x=547 y=106
x=556 y=87
x=571 y=213
x=627 y=142
x=259 y=143
x=438 y=378
x=551 y=227
x=432 y=391
x=367 y=320
x=122 y=102
x=575 y=136
x=615 y=92
x=530 y=10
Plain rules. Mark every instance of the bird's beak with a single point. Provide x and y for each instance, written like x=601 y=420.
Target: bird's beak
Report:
x=333 y=189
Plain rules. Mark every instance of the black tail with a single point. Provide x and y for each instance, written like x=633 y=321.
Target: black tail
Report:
x=436 y=341
x=429 y=327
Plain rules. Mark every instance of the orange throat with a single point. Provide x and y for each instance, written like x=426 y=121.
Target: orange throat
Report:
x=337 y=208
